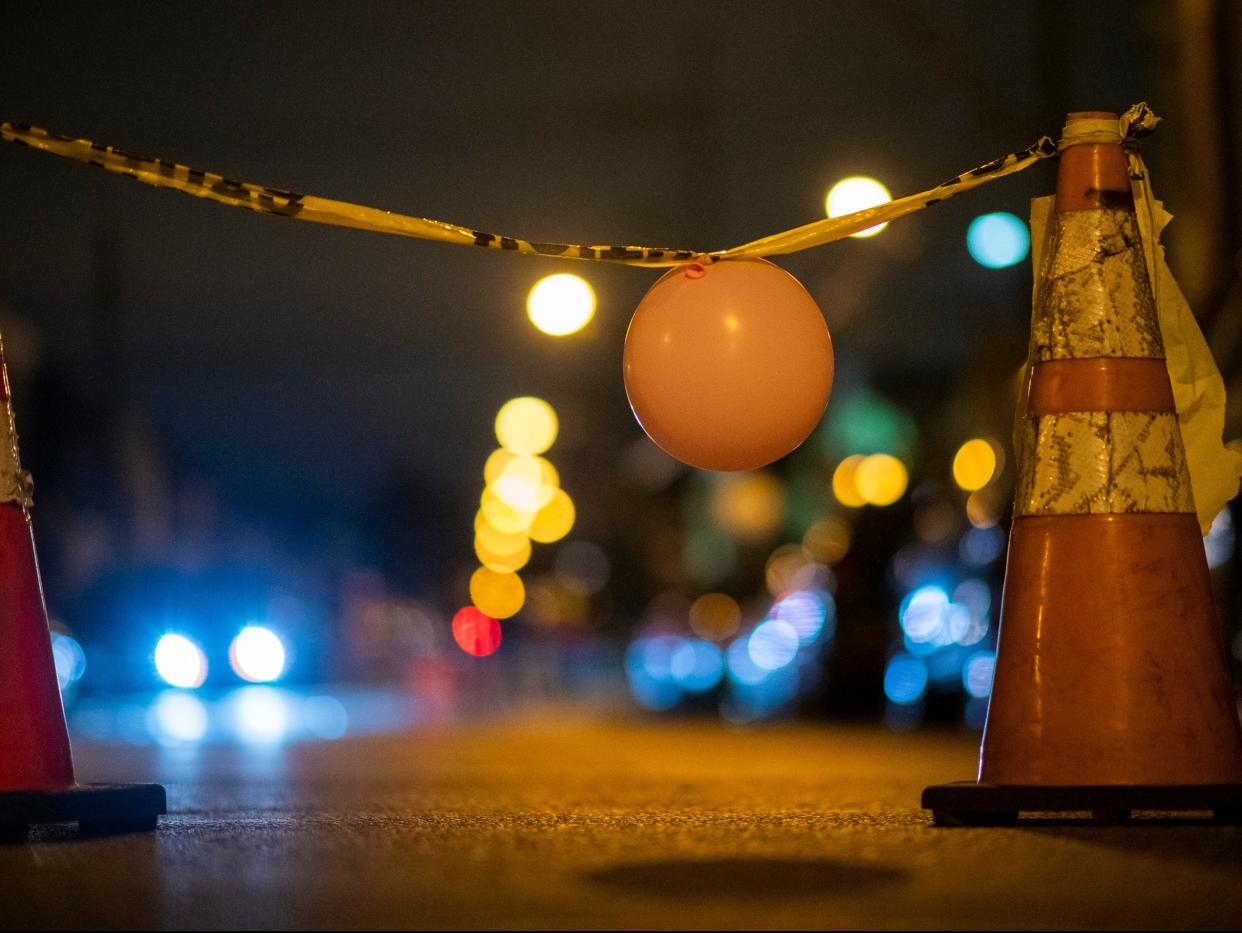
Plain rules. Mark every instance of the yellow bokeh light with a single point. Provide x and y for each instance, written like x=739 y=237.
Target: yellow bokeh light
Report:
x=715 y=616
x=981 y=509
x=499 y=595
x=501 y=563
x=554 y=520
x=827 y=541
x=844 y=486
x=783 y=569
x=526 y=425
x=527 y=483
x=496 y=463
x=855 y=194
x=974 y=465
x=561 y=304
x=495 y=541
x=748 y=505
x=881 y=479
x=502 y=516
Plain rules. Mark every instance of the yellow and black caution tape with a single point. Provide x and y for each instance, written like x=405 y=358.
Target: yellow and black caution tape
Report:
x=266 y=200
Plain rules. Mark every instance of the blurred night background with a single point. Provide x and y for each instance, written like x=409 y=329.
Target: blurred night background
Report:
x=237 y=423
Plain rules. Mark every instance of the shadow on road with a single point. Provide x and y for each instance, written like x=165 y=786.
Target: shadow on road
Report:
x=748 y=878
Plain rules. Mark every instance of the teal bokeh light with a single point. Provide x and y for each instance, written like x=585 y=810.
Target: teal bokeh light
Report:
x=998 y=240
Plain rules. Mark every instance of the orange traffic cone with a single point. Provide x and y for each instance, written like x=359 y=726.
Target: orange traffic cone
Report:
x=36 y=768
x=1112 y=690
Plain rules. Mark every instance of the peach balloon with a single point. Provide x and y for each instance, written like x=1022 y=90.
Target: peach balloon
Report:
x=728 y=365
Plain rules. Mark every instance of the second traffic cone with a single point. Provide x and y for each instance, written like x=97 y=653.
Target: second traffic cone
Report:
x=36 y=767
x=1111 y=666
x=34 y=744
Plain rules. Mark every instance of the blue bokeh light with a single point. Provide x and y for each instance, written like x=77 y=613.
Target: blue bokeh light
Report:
x=773 y=644
x=905 y=679
x=69 y=659
x=998 y=240
x=811 y=614
x=977 y=674
x=697 y=665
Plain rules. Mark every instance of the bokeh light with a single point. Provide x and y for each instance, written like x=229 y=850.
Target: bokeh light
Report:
x=905 y=679
x=498 y=542
x=554 y=520
x=855 y=194
x=865 y=422
x=325 y=717
x=502 y=516
x=649 y=669
x=740 y=667
x=881 y=479
x=998 y=240
x=844 y=486
x=715 y=616
x=785 y=568
x=983 y=507
x=748 y=505
x=977 y=673
x=526 y=425
x=68 y=658
x=923 y=614
x=256 y=654
x=495 y=464
x=180 y=662
x=773 y=644
x=981 y=546
x=807 y=612
x=827 y=541
x=974 y=465
x=501 y=563
x=561 y=304
x=499 y=595
x=696 y=665
x=525 y=483
x=476 y=632
x=177 y=718
x=260 y=715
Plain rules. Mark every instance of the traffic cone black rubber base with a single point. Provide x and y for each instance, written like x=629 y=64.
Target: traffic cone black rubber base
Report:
x=98 y=809
x=966 y=803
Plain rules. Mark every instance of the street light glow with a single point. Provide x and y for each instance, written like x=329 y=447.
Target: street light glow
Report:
x=857 y=193
x=561 y=304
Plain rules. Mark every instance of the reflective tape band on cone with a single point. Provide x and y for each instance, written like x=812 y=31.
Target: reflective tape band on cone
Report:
x=1092 y=462
x=1095 y=298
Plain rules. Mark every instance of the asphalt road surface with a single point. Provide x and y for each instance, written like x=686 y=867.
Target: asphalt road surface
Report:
x=554 y=822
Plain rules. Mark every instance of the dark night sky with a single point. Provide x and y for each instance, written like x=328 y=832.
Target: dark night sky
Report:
x=322 y=360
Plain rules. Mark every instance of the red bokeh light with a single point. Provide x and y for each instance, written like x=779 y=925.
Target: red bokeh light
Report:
x=475 y=632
